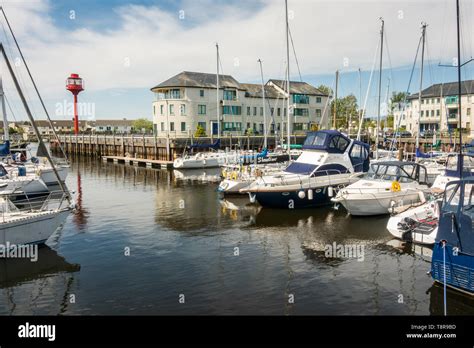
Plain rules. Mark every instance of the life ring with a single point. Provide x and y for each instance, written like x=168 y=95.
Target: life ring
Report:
x=234 y=175
x=396 y=186
x=224 y=173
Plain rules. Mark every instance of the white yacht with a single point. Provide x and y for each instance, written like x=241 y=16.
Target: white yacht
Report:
x=328 y=162
x=419 y=223
x=386 y=185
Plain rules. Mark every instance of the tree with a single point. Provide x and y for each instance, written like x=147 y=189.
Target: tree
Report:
x=396 y=99
x=347 y=108
x=200 y=132
x=325 y=89
x=142 y=124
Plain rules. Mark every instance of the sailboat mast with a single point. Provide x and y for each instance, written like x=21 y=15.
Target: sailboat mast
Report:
x=288 y=77
x=380 y=91
x=34 y=85
x=423 y=31
x=33 y=124
x=6 y=131
x=459 y=78
x=217 y=94
x=264 y=113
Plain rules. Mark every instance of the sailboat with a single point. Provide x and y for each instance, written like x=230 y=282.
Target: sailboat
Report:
x=32 y=225
x=14 y=176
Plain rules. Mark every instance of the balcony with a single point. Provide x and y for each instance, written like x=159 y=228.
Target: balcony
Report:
x=451 y=101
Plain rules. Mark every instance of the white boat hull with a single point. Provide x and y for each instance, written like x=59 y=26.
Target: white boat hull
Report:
x=376 y=204
x=34 y=228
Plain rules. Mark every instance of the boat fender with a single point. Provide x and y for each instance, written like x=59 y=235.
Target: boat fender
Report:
x=252 y=197
x=310 y=194
x=330 y=191
x=301 y=194
x=396 y=186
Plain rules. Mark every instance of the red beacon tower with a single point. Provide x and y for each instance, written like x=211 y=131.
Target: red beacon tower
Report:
x=75 y=85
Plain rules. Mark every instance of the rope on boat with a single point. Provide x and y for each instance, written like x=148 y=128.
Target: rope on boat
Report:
x=444 y=274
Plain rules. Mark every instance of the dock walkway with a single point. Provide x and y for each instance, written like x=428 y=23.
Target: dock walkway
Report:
x=139 y=161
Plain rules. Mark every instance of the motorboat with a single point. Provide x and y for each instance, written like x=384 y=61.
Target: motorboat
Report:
x=387 y=184
x=328 y=162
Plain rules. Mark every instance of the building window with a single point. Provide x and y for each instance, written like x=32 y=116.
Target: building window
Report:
x=261 y=111
x=230 y=95
x=183 y=126
x=231 y=110
x=272 y=110
x=284 y=112
x=161 y=109
x=248 y=110
x=318 y=100
x=278 y=112
x=154 y=110
x=432 y=113
x=437 y=112
x=301 y=112
x=437 y=100
x=201 y=109
x=298 y=126
x=171 y=109
x=162 y=126
x=182 y=109
x=171 y=94
x=468 y=111
x=172 y=126
x=318 y=112
x=300 y=99
x=421 y=113
x=201 y=93
x=255 y=111
x=232 y=126
x=202 y=124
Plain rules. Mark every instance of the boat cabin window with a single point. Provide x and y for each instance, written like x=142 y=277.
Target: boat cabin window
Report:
x=391 y=173
x=318 y=139
x=468 y=163
x=451 y=198
x=339 y=143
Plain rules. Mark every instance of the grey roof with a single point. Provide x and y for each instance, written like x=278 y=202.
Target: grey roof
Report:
x=124 y=123
x=253 y=90
x=197 y=79
x=297 y=87
x=448 y=89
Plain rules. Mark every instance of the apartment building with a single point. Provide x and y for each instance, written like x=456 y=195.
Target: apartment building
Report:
x=189 y=99
x=439 y=109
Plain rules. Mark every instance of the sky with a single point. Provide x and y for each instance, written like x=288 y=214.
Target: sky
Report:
x=123 y=48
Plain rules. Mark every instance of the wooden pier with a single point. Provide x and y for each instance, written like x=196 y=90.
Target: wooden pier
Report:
x=139 y=162
x=152 y=147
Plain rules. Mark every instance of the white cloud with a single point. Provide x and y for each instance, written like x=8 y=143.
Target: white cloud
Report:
x=157 y=44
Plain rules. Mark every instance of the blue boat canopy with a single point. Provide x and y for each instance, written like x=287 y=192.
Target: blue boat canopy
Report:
x=331 y=141
x=5 y=148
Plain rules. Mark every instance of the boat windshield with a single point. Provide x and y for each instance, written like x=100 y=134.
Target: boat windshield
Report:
x=452 y=198
x=388 y=172
x=468 y=163
x=318 y=139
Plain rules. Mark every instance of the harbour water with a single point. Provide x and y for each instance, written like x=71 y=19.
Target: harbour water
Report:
x=145 y=242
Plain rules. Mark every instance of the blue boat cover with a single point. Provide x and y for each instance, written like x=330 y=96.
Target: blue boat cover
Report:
x=420 y=154
x=248 y=158
x=331 y=141
x=300 y=168
x=5 y=148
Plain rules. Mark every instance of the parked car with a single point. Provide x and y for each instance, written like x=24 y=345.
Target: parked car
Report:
x=403 y=134
x=427 y=133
